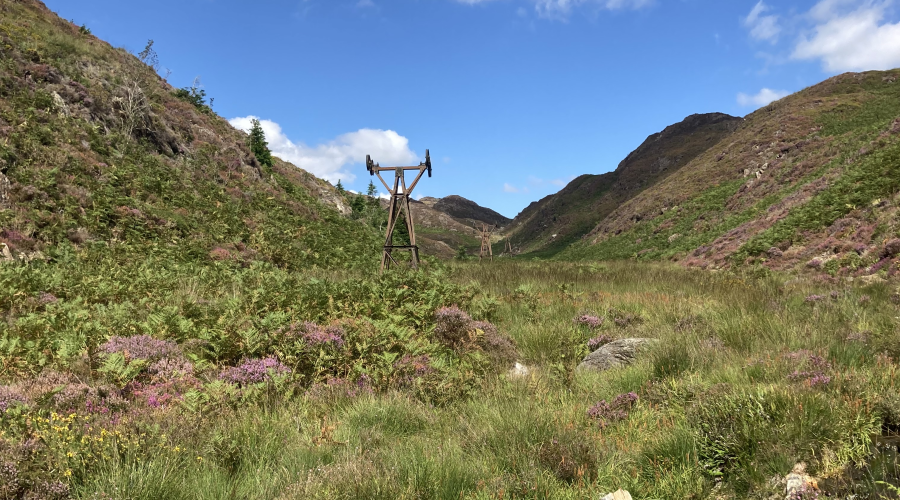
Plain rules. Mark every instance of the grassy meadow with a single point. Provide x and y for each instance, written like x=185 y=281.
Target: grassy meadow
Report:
x=751 y=375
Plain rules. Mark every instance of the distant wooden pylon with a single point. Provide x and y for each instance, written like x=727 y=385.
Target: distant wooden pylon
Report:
x=486 y=249
x=508 y=247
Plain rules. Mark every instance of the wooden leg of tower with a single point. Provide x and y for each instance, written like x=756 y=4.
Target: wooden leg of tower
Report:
x=414 y=250
x=386 y=257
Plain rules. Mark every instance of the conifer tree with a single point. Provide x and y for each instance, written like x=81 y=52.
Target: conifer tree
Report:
x=371 y=192
x=258 y=144
x=339 y=187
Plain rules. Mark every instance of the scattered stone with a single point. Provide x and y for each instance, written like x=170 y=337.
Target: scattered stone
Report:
x=7 y=255
x=60 y=105
x=615 y=354
x=798 y=482
x=4 y=191
x=618 y=495
x=775 y=252
x=674 y=237
x=871 y=279
x=746 y=172
x=519 y=371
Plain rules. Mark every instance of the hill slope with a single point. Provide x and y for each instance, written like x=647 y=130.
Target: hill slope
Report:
x=554 y=222
x=97 y=151
x=810 y=179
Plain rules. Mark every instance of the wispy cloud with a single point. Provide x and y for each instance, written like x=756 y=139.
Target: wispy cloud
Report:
x=761 y=98
x=560 y=9
x=331 y=159
x=851 y=35
x=762 y=27
x=509 y=188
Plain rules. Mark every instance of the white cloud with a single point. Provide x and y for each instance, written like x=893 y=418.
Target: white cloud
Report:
x=761 y=98
x=509 y=188
x=851 y=35
x=330 y=160
x=762 y=27
x=561 y=8
x=558 y=182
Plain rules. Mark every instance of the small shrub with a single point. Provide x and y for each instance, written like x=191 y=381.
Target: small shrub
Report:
x=254 y=371
x=588 y=321
x=609 y=413
x=453 y=327
x=569 y=458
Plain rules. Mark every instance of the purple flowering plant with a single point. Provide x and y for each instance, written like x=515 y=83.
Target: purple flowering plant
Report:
x=588 y=321
x=606 y=413
x=254 y=371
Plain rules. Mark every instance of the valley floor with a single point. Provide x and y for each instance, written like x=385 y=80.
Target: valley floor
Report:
x=751 y=375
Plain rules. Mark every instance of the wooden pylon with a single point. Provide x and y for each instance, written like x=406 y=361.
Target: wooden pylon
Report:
x=400 y=194
x=486 y=249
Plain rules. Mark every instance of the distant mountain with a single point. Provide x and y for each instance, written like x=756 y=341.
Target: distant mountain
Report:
x=551 y=224
x=811 y=180
x=466 y=210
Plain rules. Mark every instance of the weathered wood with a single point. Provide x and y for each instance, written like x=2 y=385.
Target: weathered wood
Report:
x=400 y=195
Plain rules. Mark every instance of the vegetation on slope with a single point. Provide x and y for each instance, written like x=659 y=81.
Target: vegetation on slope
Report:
x=548 y=226
x=809 y=180
x=98 y=151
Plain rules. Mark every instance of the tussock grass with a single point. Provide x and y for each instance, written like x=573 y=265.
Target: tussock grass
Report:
x=719 y=403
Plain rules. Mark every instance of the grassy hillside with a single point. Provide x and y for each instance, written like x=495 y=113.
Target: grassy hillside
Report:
x=99 y=155
x=548 y=226
x=810 y=180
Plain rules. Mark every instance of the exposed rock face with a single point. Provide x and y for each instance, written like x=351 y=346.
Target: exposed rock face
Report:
x=613 y=355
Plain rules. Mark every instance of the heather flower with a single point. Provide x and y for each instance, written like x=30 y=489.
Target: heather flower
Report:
x=598 y=341
x=142 y=347
x=47 y=298
x=254 y=371
x=812 y=368
x=815 y=298
x=864 y=300
x=835 y=294
x=589 y=321
x=452 y=326
x=170 y=368
x=609 y=413
x=416 y=366
x=315 y=335
x=10 y=397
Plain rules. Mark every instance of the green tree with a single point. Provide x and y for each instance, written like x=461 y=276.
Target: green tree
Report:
x=259 y=146
x=340 y=187
x=371 y=191
x=461 y=253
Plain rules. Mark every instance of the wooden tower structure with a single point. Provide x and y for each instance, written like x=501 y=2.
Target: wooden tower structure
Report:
x=399 y=204
x=486 y=250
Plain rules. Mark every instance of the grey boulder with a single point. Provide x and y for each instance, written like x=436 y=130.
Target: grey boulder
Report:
x=615 y=354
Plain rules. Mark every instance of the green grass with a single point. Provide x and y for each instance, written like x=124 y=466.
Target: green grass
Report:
x=716 y=401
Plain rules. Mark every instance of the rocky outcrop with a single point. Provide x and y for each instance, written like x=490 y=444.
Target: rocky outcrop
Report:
x=615 y=354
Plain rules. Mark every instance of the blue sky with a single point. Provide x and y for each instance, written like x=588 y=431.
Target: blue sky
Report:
x=513 y=97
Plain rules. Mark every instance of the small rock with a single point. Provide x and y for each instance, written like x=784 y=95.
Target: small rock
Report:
x=519 y=371
x=618 y=495
x=798 y=482
x=775 y=252
x=7 y=255
x=614 y=354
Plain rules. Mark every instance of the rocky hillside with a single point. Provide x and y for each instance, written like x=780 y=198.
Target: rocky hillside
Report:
x=556 y=221
x=99 y=155
x=810 y=180
x=465 y=211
